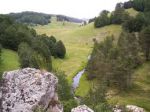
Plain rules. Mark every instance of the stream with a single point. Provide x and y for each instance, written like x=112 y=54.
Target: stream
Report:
x=76 y=79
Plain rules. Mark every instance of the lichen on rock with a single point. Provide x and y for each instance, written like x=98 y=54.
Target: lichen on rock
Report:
x=82 y=108
x=26 y=89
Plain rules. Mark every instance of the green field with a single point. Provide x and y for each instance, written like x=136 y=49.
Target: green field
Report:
x=78 y=42
x=9 y=60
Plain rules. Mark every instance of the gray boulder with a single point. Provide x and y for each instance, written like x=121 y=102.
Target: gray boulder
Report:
x=27 y=89
x=82 y=108
x=133 y=108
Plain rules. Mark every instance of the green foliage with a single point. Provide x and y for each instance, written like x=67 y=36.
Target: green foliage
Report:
x=114 y=63
x=119 y=15
x=31 y=17
x=139 y=5
x=25 y=55
x=60 y=49
x=21 y=33
x=102 y=20
x=0 y=54
x=96 y=99
x=64 y=89
x=68 y=105
x=145 y=42
x=128 y=4
x=64 y=92
x=147 y=6
x=37 y=56
x=135 y=24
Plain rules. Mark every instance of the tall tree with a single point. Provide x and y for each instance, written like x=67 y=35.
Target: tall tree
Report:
x=139 y=5
x=145 y=42
x=102 y=20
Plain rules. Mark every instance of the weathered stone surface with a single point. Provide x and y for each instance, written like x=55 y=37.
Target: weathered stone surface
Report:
x=26 y=89
x=130 y=108
x=82 y=108
x=133 y=108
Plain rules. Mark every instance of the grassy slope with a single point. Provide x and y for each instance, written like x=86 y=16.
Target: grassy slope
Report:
x=132 y=12
x=9 y=60
x=140 y=94
x=78 y=42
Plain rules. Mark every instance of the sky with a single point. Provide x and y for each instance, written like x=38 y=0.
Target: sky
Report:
x=74 y=8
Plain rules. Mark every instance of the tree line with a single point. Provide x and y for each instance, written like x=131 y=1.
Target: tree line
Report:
x=113 y=62
x=31 y=18
x=34 y=50
x=119 y=16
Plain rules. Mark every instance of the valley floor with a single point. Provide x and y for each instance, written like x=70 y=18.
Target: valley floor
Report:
x=78 y=42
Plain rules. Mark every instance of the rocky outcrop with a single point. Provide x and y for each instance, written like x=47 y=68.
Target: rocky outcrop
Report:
x=82 y=108
x=129 y=108
x=27 y=89
x=133 y=108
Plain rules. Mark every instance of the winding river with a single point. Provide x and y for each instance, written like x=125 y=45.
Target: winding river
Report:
x=76 y=79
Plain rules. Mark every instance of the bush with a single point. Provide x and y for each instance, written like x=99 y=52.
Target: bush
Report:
x=37 y=56
x=128 y=4
x=119 y=16
x=25 y=55
x=102 y=20
x=139 y=5
x=145 y=42
x=135 y=24
x=68 y=105
x=64 y=92
x=21 y=33
x=64 y=89
x=60 y=49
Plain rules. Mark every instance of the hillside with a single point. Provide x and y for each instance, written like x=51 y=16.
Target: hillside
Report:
x=78 y=42
x=139 y=94
x=9 y=60
x=30 y=17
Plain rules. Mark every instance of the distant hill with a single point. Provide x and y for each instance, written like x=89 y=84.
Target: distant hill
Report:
x=29 y=17
x=69 y=19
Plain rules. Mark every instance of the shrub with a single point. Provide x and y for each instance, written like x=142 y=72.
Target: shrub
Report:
x=60 y=49
x=102 y=20
x=135 y=24
x=25 y=55
x=145 y=42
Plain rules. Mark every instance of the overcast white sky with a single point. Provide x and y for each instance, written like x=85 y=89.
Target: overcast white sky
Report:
x=74 y=8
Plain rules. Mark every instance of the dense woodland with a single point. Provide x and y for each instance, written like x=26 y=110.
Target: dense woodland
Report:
x=35 y=18
x=69 y=19
x=34 y=50
x=32 y=18
x=113 y=63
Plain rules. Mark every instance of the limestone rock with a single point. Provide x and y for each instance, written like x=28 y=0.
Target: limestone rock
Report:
x=26 y=89
x=133 y=108
x=82 y=108
x=130 y=108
